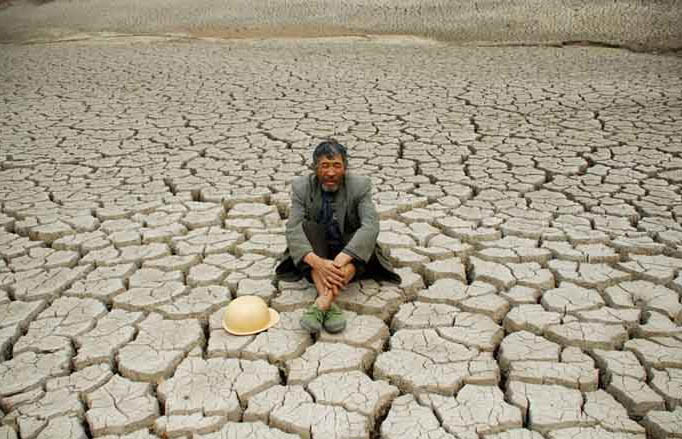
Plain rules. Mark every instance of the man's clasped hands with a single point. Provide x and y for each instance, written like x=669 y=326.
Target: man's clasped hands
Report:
x=330 y=276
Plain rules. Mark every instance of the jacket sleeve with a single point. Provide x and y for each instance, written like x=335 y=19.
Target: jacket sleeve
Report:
x=297 y=241
x=364 y=240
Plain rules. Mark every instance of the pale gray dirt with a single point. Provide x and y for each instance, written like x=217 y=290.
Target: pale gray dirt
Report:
x=529 y=197
x=637 y=24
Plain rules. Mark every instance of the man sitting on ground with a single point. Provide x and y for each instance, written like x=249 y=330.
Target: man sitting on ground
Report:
x=331 y=235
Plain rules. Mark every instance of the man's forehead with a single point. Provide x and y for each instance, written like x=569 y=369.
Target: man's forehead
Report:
x=326 y=158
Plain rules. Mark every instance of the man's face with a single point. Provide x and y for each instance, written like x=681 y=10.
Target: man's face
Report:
x=330 y=172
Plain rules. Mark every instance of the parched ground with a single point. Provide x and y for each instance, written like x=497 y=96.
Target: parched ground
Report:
x=529 y=196
x=637 y=24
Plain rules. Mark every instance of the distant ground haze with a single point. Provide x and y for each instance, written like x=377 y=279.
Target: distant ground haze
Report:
x=637 y=24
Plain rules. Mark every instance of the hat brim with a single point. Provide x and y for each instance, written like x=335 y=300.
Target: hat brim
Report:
x=274 y=319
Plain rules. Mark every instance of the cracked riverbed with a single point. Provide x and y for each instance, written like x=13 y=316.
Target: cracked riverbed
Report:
x=529 y=196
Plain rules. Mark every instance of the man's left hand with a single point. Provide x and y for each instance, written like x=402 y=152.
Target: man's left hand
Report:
x=348 y=273
x=342 y=259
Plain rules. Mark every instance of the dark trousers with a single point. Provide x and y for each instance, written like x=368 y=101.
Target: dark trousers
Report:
x=317 y=235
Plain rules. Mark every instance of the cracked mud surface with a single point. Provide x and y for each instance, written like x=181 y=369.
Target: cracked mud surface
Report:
x=635 y=24
x=529 y=198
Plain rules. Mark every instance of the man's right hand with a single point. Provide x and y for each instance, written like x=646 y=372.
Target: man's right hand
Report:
x=332 y=276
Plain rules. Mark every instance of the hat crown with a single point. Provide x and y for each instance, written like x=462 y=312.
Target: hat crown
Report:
x=246 y=314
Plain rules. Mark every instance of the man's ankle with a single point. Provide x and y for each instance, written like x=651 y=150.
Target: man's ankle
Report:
x=322 y=303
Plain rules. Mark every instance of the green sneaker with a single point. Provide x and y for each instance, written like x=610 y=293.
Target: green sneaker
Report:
x=312 y=319
x=334 y=321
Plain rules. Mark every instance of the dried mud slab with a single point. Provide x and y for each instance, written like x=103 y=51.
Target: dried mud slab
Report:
x=121 y=406
x=407 y=418
x=423 y=361
x=478 y=409
x=293 y=410
x=355 y=392
x=30 y=370
x=247 y=430
x=663 y=424
x=373 y=298
x=215 y=387
x=159 y=348
x=549 y=407
x=322 y=358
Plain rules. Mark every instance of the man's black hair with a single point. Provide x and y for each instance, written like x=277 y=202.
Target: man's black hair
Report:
x=330 y=148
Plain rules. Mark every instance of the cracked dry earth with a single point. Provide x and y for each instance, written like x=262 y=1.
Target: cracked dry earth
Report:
x=529 y=196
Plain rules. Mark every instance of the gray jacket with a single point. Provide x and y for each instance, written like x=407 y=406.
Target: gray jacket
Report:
x=357 y=217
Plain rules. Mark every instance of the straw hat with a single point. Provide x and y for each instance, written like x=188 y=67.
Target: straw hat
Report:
x=247 y=315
